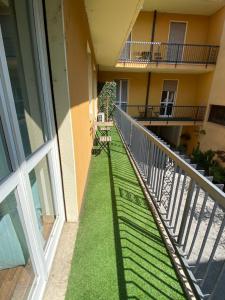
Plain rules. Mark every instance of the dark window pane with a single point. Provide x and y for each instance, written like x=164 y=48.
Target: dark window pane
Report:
x=5 y=165
x=217 y=114
x=24 y=72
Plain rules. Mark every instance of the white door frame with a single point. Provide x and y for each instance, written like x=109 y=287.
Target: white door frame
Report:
x=167 y=99
x=185 y=34
x=19 y=179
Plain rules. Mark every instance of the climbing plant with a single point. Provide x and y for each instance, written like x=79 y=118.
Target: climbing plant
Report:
x=107 y=97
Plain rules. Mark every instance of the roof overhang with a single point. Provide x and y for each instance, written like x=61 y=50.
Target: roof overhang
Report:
x=110 y=24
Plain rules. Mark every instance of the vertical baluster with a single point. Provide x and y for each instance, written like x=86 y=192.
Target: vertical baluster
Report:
x=205 y=237
x=191 y=217
x=218 y=237
x=162 y=163
x=218 y=282
x=153 y=165
x=198 y=225
x=175 y=197
x=155 y=169
x=179 y=203
x=185 y=212
x=171 y=190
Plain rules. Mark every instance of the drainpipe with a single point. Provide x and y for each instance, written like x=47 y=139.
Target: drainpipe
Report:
x=147 y=93
x=151 y=50
x=153 y=31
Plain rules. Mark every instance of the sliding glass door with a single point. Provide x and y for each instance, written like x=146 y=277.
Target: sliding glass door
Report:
x=31 y=201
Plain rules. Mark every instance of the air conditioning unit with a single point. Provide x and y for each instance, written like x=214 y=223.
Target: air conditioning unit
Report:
x=101 y=117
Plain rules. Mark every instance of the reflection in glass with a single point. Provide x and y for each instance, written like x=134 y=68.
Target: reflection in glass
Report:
x=16 y=273
x=43 y=198
x=5 y=166
x=20 y=51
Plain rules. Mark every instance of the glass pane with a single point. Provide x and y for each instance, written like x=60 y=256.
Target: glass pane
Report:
x=24 y=72
x=5 y=166
x=164 y=96
x=16 y=272
x=43 y=198
x=171 y=96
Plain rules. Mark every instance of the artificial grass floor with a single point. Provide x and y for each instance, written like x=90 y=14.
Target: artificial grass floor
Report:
x=119 y=252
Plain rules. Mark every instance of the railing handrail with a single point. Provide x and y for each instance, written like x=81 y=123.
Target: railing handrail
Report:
x=175 y=44
x=212 y=190
x=144 y=105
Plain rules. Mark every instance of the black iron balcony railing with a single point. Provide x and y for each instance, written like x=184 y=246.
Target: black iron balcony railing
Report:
x=166 y=112
x=156 y=52
x=191 y=207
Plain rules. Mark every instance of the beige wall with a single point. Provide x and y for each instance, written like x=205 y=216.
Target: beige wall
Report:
x=77 y=38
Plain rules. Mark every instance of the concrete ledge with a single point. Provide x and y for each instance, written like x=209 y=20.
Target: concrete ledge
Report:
x=58 y=278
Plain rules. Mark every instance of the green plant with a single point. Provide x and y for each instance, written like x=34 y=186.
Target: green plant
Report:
x=107 y=97
x=207 y=161
x=182 y=148
x=218 y=173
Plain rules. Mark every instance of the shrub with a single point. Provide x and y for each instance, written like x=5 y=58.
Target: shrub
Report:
x=206 y=161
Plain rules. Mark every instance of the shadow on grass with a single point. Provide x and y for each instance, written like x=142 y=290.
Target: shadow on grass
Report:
x=144 y=268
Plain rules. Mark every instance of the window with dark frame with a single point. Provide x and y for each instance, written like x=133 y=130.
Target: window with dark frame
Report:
x=217 y=114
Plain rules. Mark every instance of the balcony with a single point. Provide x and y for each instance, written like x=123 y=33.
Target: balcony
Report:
x=152 y=225
x=167 y=114
x=136 y=54
x=120 y=252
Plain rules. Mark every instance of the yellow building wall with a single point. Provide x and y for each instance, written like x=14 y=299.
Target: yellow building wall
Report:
x=194 y=137
x=197 y=27
x=185 y=95
x=215 y=134
x=204 y=87
x=196 y=31
x=216 y=22
x=137 y=86
x=142 y=29
x=137 y=83
x=77 y=37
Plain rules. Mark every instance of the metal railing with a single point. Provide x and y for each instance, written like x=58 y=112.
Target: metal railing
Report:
x=157 y=52
x=190 y=205
x=166 y=112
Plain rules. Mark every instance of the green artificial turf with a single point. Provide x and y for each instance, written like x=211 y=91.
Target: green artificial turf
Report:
x=119 y=252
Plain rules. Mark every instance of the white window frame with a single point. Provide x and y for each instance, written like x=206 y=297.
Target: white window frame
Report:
x=19 y=179
x=167 y=102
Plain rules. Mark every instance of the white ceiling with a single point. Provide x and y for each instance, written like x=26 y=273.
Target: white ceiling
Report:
x=197 y=7
x=110 y=23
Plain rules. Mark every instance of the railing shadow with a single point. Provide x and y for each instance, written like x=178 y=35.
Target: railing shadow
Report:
x=144 y=268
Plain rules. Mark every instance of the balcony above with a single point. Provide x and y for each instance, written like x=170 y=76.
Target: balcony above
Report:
x=168 y=56
x=167 y=115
